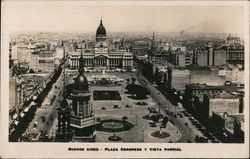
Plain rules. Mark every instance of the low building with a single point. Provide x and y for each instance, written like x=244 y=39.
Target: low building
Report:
x=229 y=125
x=223 y=121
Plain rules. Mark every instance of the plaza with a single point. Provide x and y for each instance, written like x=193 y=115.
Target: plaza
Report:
x=128 y=108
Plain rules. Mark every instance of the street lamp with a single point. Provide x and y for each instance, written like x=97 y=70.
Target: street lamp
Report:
x=159 y=108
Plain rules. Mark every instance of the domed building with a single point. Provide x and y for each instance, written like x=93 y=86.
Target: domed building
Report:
x=101 y=33
x=82 y=115
x=101 y=54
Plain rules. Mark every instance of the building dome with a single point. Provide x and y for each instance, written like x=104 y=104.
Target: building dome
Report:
x=81 y=83
x=101 y=31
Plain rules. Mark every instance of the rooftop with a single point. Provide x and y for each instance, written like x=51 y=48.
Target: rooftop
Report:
x=224 y=115
x=204 y=86
x=225 y=95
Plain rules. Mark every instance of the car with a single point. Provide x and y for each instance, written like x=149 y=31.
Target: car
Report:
x=51 y=117
x=116 y=107
x=35 y=124
x=103 y=108
x=215 y=141
x=133 y=70
x=43 y=118
x=128 y=106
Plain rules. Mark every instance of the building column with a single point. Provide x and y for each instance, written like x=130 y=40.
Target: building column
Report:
x=123 y=63
x=107 y=62
x=77 y=108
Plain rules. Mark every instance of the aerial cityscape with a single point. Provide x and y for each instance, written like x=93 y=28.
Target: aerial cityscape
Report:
x=110 y=86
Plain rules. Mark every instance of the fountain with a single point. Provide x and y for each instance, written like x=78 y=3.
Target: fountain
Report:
x=112 y=125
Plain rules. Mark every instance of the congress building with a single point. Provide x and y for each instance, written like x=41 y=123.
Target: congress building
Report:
x=101 y=55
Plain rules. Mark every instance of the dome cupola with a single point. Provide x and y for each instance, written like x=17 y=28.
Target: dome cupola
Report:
x=100 y=32
x=81 y=82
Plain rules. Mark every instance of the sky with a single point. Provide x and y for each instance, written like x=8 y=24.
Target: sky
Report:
x=124 y=18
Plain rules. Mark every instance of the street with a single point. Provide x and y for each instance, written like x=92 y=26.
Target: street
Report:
x=48 y=108
x=188 y=134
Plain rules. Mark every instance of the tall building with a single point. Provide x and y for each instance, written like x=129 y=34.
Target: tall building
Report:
x=235 y=54
x=64 y=132
x=219 y=57
x=101 y=55
x=82 y=118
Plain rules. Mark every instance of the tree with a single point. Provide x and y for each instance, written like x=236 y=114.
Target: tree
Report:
x=31 y=71
x=124 y=118
x=151 y=110
x=156 y=76
x=154 y=118
x=133 y=80
x=139 y=91
x=165 y=120
x=165 y=79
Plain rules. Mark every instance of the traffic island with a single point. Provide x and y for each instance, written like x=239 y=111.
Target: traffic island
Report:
x=159 y=134
x=114 y=125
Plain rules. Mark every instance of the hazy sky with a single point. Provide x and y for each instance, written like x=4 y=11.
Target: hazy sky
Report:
x=217 y=19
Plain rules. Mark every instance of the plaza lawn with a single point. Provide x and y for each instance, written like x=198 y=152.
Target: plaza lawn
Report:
x=106 y=95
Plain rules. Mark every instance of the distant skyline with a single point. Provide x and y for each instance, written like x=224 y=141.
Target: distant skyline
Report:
x=125 y=18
